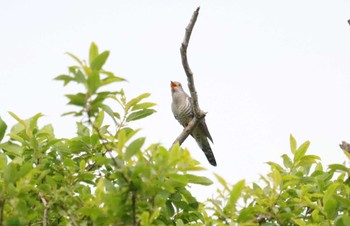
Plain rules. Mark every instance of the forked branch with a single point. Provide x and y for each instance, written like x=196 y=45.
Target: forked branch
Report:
x=197 y=112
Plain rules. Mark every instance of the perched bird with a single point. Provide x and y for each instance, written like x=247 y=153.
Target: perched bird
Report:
x=182 y=108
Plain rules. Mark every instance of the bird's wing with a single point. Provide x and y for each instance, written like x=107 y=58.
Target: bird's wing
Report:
x=203 y=126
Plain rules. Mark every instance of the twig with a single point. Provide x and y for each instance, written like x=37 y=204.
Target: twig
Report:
x=43 y=200
x=119 y=166
x=198 y=114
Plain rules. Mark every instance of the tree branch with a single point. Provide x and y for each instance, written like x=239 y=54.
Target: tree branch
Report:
x=186 y=66
x=43 y=200
x=198 y=114
x=188 y=129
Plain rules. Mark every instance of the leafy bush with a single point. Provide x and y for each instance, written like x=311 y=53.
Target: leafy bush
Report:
x=299 y=192
x=106 y=176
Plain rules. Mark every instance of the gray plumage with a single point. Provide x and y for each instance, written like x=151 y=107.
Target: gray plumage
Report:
x=182 y=108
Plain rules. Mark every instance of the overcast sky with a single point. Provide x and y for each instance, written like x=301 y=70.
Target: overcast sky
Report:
x=263 y=70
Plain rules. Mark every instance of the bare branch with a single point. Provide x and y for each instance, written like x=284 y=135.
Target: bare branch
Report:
x=196 y=110
x=186 y=66
x=43 y=200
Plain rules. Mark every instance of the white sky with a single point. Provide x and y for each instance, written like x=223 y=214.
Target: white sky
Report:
x=263 y=70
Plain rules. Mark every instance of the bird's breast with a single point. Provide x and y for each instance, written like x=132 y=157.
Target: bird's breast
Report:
x=183 y=112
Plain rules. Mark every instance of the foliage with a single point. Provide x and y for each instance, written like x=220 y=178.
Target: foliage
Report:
x=103 y=176
x=106 y=175
x=299 y=192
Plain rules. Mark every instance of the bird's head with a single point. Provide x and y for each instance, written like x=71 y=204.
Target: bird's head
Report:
x=175 y=86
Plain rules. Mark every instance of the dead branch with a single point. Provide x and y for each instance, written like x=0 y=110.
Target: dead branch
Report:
x=196 y=110
x=186 y=66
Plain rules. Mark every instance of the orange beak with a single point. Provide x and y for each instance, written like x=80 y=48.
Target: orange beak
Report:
x=173 y=85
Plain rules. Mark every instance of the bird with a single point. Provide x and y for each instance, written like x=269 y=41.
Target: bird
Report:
x=182 y=108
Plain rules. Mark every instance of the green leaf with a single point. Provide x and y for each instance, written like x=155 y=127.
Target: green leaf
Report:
x=299 y=222
x=78 y=99
x=177 y=180
x=75 y=113
x=246 y=214
x=136 y=100
x=342 y=220
x=169 y=208
x=300 y=152
x=344 y=202
x=276 y=178
x=99 y=61
x=10 y=173
x=21 y=121
x=93 y=82
x=25 y=169
x=65 y=78
x=235 y=194
x=143 y=106
x=133 y=148
x=82 y=165
x=287 y=162
x=3 y=128
x=339 y=168
x=330 y=204
x=79 y=77
x=33 y=122
x=139 y=114
x=75 y=58
x=198 y=180
x=276 y=166
x=145 y=218
x=93 y=53
x=109 y=111
x=87 y=177
x=293 y=144
x=222 y=181
x=99 y=119
x=179 y=222
x=12 y=149
x=82 y=130
x=3 y=161
x=316 y=215
x=331 y=207
x=111 y=78
x=308 y=160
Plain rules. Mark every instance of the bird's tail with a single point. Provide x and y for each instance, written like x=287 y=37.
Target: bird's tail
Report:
x=203 y=143
x=209 y=154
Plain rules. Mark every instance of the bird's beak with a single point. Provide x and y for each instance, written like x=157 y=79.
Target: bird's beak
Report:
x=173 y=84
